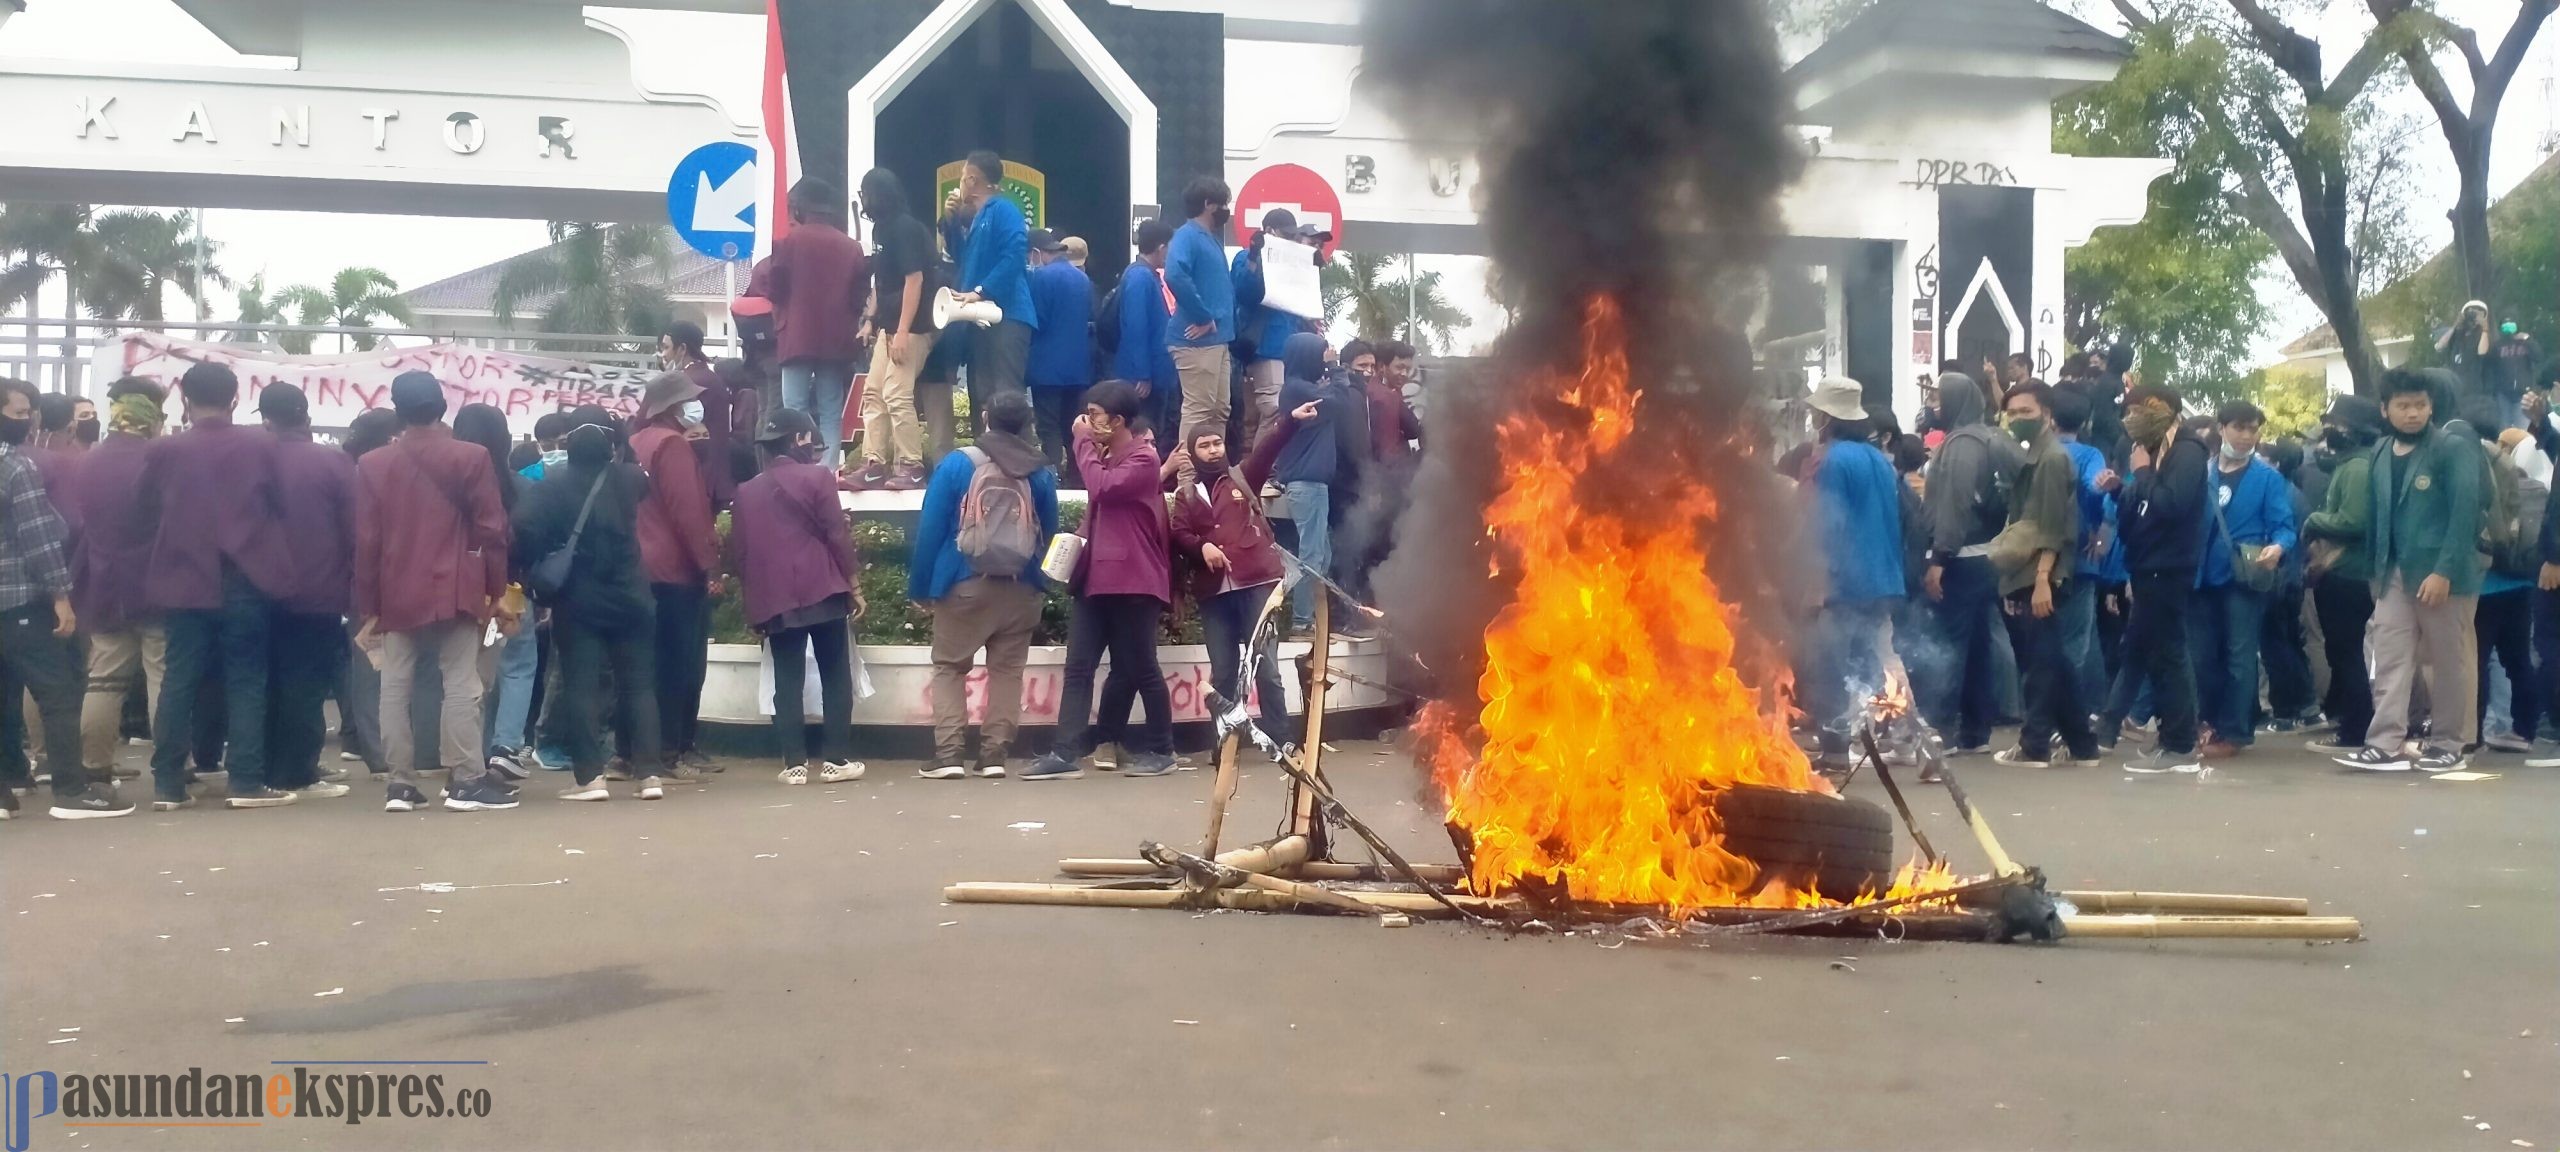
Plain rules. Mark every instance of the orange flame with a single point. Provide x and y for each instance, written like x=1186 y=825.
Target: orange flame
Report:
x=1611 y=705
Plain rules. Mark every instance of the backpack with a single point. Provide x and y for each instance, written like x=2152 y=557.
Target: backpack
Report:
x=1106 y=323
x=2511 y=532
x=999 y=531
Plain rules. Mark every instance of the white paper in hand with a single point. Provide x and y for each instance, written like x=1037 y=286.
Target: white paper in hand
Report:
x=1290 y=282
x=812 y=704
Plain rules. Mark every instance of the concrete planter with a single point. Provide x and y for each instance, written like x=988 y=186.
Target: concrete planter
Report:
x=902 y=678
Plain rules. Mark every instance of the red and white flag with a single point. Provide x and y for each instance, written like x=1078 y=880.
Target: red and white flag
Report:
x=777 y=150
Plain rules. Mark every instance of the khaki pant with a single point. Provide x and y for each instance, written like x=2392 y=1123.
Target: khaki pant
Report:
x=113 y=656
x=890 y=433
x=997 y=615
x=2407 y=636
x=1204 y=385
x=1262 y=390
x=452 y=648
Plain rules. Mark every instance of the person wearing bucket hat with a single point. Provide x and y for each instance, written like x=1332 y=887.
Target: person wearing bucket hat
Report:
x=678 y=552
x=1857 y=504
x=798 y=579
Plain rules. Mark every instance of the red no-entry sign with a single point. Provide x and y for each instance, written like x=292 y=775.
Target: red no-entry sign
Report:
x=1296 y=188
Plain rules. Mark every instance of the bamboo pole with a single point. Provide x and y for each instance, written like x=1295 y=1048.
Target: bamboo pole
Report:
x=2214 y=927
x=1302 y=800
x=1274 y=856
x=1092 y=866
x=1247 y=899
x=2206 y=903
x=1223 y=791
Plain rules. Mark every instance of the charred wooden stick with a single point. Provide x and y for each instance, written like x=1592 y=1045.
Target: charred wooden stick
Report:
x=2001 y=864
x=1247 y=899
x=2209 y=903
x=1884 y=774
x=1205 y=873
x=2217 y=927
x=1815 y=917
x=1334 y=810
x=1441 y=874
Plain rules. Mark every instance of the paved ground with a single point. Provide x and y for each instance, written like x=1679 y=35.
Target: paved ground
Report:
x=752 y=966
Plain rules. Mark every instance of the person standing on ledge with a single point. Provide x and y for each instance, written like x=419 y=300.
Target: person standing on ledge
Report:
x=992 y=268
x=1204 y=302
x=817 y=280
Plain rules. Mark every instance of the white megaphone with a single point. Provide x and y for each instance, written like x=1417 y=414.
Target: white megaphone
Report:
x=947 y=310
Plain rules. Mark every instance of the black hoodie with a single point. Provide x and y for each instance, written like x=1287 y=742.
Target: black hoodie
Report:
x=2163 y=510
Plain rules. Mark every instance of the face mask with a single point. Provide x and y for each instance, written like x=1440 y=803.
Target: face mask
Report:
x=2233 y=453
x=2407 y=437
x=87 y=430
x=2026 y=429
x=2147 y=425
x=1220 y=217
x=692 y=411
x=2338 y=441
x=555 y=458
x=2508 y=328
x=14 y=431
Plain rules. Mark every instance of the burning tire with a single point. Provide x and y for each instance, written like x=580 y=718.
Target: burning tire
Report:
x=1835 y=845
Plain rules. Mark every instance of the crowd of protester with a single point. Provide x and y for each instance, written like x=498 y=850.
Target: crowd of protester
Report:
x=2100 y=565
x=455 y=591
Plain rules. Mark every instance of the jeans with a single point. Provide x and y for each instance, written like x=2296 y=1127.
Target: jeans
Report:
x=1970 y=597
x=2285 y=648
x=1125 y=624
x=2053 y=703
x=2346 y=607
x=584 y=653
x=49 y=668
x=996 y=614
x=1056 y=410
x=832 y=642
x=2076 y=611
x=234 y=639
x=1227 y=619
x=305 y=669
x=511 y=693
x=997 y=357
x=2224 y=625
x=683 y=645
x=2505 y=624
x=1310 y=509
x=450 y=650
x=818 y=387
x=1847 y=669
x=2156 y=650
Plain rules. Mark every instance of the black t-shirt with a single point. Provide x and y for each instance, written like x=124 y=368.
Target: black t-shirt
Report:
x=2399 y=472
x=906 y=247
x=2511 y=362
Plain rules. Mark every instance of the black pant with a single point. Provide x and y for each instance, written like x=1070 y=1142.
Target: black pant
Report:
x=2156 y=647
x=2504 y=623
x=1228 y=618
x=308 y=654
x=1124 y=624
x=2346 y=608
x=1057 y=409
x=50 y=668
x=683 y=646
x=997 y=357
x=584 y=653
x=2285 y=651
x=1969 y=600
x=2110 y=628
x=235 y=639
x=832 y=644
x=2053 y=703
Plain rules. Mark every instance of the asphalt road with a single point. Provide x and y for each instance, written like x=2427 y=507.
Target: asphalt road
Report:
x=746 y=965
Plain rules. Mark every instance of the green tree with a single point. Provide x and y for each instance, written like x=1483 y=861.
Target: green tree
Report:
x=1357 y=288
x=258 y=306
x=594 y=279
x=2467 y=127
x=144 y=254
x=2177 y=286
x=355 y=298
x=39 y=242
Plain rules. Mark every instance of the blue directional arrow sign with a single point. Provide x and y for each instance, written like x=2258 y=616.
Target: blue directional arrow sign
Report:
x=711 y=200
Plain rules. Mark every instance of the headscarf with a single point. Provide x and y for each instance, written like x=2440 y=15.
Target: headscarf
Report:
x=134 y=414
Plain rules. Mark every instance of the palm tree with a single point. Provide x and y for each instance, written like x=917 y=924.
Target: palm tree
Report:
x=257 y=306
x=143 y=255
x=1357 y=286
x=594 y=278
x=37 y=243
x=355 y=298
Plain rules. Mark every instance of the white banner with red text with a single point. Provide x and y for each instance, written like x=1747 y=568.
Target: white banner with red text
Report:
x=525 y=387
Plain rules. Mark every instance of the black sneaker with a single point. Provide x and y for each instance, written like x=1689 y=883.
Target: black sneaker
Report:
x=505 y=766
x=164 y=802
x=2373 y=759
x=403 y=798
x=479 y=796
x=8 y=804
x=94 y=804
x=2441 y=759
x=1150 y=764
x=1052 y=767
x=260 y=797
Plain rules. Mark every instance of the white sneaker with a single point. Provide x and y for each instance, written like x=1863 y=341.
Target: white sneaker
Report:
x=946 y=772
x=991 y=771
x=2018 y=758
x=842 y=771
x=324 y=790
x=349 y=757
x=592 y=790
x=651 y=788
x=2372 y=759
x=795 y=774
x=2441 y=760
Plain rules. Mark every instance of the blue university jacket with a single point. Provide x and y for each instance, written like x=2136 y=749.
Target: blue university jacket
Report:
x=1143 y=354
x=1195 y=268
x=1858 y=502
x=2259 y=511
x=993 y=263
x=1277 y=326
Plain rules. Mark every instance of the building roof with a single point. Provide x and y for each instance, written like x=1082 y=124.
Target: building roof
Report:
x=2016 y=26
x=2543 y=181
x=695 y=277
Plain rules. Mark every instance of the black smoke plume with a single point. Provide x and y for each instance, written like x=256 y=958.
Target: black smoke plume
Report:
x=1628 y=148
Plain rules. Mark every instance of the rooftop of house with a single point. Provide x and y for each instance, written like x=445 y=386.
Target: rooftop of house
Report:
x=2392 y=302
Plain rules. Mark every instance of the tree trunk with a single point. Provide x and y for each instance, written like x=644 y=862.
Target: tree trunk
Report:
x=2325 y=216
x=70 y=334
x=2471 y=218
